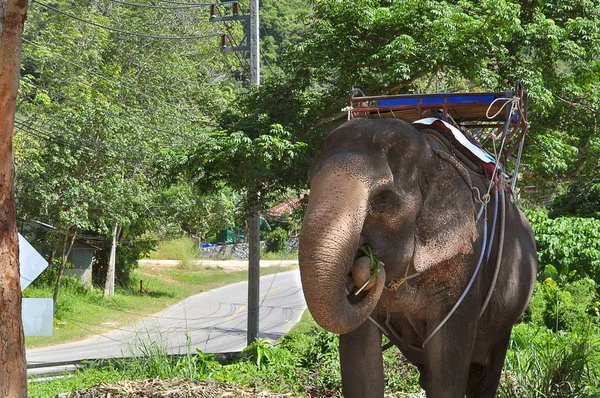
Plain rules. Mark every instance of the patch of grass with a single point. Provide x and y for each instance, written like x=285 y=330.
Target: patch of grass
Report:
x=305 y=324
x=541 y=363
x=83 y=312
x=185 y=250
x=278 y=256
x=75 y=381
x=211 y=278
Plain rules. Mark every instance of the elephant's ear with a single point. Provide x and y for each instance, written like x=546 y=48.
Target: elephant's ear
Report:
x=446 y=226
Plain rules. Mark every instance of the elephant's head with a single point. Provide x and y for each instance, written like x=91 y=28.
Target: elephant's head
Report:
x=375 y=184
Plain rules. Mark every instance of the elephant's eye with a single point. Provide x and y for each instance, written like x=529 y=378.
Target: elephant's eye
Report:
x=384 y=200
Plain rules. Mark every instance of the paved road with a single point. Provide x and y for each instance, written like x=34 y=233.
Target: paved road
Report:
x=213 y=321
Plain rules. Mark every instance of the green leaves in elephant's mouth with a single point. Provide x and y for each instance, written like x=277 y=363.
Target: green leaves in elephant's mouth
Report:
x=366 y=267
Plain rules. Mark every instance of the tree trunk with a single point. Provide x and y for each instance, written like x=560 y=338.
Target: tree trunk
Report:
x=50 y=260
x=67 y=245
x=109 y=285
x=13 y=370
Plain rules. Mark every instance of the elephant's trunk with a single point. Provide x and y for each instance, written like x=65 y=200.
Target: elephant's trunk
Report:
x=329 y=240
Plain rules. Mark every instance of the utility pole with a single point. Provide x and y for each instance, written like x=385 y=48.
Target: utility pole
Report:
x=254 y=43
x=254 y=199
x=251 y=43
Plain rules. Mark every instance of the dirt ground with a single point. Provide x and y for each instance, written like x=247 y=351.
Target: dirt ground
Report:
x=230 y=265
x=185 y=388
x=171 y=388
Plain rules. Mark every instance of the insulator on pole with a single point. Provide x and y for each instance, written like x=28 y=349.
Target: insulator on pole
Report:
x=213 y=10
x=223 y=41
x=236 y=8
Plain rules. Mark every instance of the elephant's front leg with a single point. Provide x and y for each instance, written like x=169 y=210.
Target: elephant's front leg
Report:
x=448 y=357
x=361 y=361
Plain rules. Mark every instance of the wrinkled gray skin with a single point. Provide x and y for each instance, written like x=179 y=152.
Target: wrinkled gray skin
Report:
x=380 y=182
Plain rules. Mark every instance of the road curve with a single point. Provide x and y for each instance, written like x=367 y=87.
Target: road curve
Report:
x=213 y=321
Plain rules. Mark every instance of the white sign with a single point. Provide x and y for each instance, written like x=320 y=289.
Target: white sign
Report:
x=31 y=263
x=38 y=316
x=37 y=313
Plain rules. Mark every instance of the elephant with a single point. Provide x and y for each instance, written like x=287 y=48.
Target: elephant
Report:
x=445 y=297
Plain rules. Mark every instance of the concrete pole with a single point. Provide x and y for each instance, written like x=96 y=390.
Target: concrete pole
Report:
x=253 y=273
x=254 y=43
x=254 y=197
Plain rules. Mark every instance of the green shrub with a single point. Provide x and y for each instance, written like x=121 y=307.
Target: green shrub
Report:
x=544 y=364
x=185 y=250
x=401 y=375
x=126 y=261
x=50 y=388
x=568 y=307
x=277 y=240
x=155 y=362
x=260 y=352
x=567 y=246
x=47 y=279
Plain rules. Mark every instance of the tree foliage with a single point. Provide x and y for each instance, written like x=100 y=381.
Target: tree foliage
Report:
x=581 y=198
x=384 y=47
x=568 y=247
x=98 y=106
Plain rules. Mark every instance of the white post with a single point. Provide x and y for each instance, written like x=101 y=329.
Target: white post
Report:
x=109 y=285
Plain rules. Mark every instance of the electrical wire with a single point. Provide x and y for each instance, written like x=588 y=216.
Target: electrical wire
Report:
x=175 y=7
x=179 y=2
x=216 y=34
x=80 y=325
x=93 y=238
x=263 y=58
x=204 y=318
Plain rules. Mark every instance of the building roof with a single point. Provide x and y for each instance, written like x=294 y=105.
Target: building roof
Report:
x=287 y=206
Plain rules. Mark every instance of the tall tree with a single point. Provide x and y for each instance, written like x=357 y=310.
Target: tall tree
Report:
x=13 y=371
x=424 y=46
x=108 y=89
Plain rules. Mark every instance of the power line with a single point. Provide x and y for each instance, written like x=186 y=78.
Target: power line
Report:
x=184 y=3
x=56 y=231
x=217 y=34
x=175 y=7
x=91 y=72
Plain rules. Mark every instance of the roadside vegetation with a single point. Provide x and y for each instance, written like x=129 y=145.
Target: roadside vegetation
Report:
x=185 y=250
x=302 y=363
